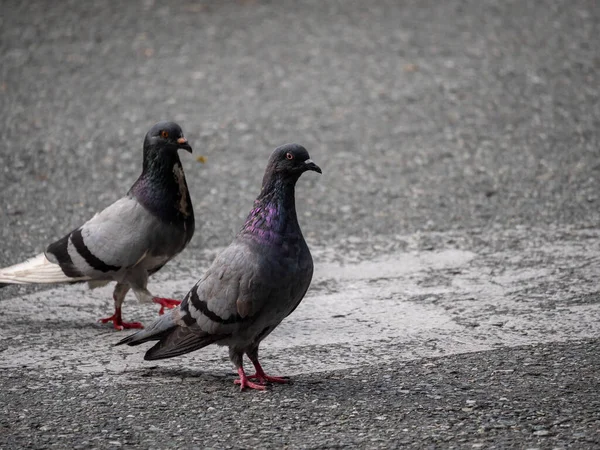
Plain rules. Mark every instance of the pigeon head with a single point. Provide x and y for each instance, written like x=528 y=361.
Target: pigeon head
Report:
x=291 y=161
x=161 y=187
x=167 y=136
x=274 y=212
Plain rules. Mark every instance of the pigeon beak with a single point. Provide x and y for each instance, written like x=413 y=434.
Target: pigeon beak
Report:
x=310 y=165
x=183 y=143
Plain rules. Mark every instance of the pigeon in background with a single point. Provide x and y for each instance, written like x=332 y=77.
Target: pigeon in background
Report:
x=252 y=285
x=129 y=240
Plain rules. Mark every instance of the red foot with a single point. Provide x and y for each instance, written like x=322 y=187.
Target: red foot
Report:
x=165 y=303
x=244 y=383
x=262 y=377
x=118 y=321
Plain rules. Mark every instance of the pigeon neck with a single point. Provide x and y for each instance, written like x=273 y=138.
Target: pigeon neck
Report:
x=156 y=160
x=162 y=188
x=274 y=212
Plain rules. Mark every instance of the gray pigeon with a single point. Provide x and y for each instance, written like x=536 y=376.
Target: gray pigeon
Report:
x=132 y=238
x=252 y=285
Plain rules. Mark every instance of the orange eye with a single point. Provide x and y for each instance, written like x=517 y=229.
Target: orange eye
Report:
x=164 y=134
x=289 y=156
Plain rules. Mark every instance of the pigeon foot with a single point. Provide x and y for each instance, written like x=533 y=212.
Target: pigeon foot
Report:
x=244 y=383
x=118 y=321
x=168 y=303
x=262 y=377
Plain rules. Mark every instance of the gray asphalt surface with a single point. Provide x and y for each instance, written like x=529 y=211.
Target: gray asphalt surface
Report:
x=467 y=126
x=533 y=397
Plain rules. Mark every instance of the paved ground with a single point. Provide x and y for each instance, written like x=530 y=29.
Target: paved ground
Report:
x=455 y=227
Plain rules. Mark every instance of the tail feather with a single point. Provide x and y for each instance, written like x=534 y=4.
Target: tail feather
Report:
x=178 y=342
x=36 y=270
x=174 y=340
x=154 y=332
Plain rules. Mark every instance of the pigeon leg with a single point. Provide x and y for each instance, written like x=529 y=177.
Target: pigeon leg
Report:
x=244 y=383
x=260 y=374
x=165 y=303
x=118 y=296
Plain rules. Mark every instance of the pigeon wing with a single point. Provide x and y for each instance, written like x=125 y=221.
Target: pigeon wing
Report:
x=233 y=291
x=229 y=297
x=114 y=240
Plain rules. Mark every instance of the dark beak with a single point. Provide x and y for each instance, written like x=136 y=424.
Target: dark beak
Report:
x=183 y=143
x=310 y=165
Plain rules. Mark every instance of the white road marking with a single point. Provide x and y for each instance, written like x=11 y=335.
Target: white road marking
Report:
x=393 y=305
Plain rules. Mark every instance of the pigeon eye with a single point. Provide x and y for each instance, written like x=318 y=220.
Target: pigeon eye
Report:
x=288 y=155
x=164 y=134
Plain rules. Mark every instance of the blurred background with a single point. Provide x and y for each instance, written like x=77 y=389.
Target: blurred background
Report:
x=423 y=115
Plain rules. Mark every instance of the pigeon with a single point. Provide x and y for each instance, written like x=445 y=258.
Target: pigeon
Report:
x=252 y=285
x=130 y=239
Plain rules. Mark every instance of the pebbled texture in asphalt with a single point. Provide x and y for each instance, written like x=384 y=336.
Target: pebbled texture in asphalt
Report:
x=426 y=117
x=543 y=396
x=423 y=116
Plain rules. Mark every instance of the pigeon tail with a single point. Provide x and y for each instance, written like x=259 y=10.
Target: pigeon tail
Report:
x=178 y=341
x=38 y=269
x=155 y=332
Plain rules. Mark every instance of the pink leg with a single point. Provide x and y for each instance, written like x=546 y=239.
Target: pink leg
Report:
x=118 y=323
x=262 y=377
x=165 y=303
x=244 y=383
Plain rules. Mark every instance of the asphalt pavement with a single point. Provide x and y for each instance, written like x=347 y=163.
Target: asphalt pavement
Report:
x=454 y=229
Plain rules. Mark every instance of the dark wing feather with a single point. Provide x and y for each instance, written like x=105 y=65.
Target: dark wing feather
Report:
x=179 y=341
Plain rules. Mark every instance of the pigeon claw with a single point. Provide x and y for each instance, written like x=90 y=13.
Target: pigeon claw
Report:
x=250 y=385
x=168 y=303
x=118 y=323
x=264 y=378
x=245 y=383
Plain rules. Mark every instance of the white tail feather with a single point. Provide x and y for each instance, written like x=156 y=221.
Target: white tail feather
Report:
x=35 y=270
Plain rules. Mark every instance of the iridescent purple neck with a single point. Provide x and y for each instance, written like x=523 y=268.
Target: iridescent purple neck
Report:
x=162 y=188
x=274 y=213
